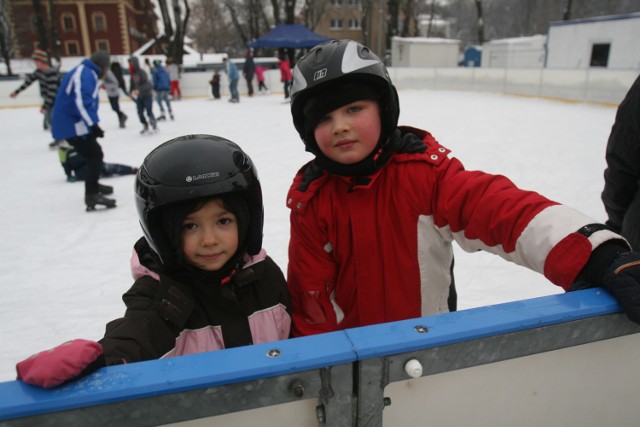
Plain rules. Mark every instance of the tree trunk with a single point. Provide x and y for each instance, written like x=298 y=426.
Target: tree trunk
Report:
x=6 y=39
x=480 y=22
x=567 y=11
x=55 y=48
x=40 y=26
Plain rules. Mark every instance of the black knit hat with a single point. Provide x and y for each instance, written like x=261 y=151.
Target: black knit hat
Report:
x=322 y=104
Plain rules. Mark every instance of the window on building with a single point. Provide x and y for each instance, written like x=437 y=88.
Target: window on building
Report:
x=68 y=22
x=600 y=54
x=72 y=47
x=355 y=3
x=336 y=2
x=354 y=24
x=335 y=24
x=99 y=21
x=102 y=45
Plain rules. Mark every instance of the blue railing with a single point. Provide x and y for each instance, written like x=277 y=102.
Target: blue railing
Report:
x=328 y=367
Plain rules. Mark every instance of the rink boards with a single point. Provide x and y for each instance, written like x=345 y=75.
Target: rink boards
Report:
x=568 y=359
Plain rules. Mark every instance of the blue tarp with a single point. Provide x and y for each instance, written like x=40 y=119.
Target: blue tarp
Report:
x=289 y=36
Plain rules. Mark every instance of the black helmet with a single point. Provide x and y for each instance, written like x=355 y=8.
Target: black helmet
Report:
x=335 y=63
x=192 y=167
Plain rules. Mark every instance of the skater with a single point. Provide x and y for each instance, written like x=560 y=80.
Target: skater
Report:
x=285 y=73
x=621 y=194
x=174 y=72
x=260 y=77
x=374 y=215
x=75 y=165
x=161 y=86
x=249 y=70
x=142 y=90
x=203 y=282
x=232 y=72
x=112 y=84
x=49 y=79
x=75 y=118
x=215 y=84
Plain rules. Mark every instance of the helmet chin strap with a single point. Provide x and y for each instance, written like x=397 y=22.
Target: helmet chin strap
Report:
x=370 y=164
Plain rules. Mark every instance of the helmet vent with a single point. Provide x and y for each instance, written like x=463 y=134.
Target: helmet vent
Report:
x=242 y=162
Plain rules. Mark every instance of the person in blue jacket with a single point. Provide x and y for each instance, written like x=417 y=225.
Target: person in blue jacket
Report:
x=75 y=118
x=162 y=86
x=232 y=72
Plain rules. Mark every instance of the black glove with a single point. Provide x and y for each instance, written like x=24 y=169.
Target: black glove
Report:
x=622 y=280
x=97 y=131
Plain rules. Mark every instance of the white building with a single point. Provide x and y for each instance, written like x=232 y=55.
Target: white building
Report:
x=520 y=52
x=424 y=52
x=605 y=41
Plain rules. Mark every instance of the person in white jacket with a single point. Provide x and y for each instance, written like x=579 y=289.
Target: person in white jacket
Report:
x=112 y=83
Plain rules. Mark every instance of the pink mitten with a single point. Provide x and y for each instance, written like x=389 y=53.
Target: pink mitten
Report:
x=53 y=367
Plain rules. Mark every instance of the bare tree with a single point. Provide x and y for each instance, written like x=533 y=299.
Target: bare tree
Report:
x=480 y=22
x=175 y=39
x=313 y=11
x=6 y=39
x=567 y=11
x=41 y=26
x=53 y=28
x=211 y=27
x=249 y=17
x=289 y=11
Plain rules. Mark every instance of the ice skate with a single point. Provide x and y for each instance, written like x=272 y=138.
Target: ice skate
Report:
x=145 y=129
x=162 y=117
x=91 y=200
x=105 y=189
x=122 y=119
x=171 y=115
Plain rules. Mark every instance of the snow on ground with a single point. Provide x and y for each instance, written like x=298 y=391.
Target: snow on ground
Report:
x=64 y=270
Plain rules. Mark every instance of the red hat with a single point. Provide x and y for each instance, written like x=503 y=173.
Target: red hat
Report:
x=40 y=55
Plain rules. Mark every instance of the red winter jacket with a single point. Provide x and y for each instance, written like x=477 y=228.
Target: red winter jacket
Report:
x=367 y=251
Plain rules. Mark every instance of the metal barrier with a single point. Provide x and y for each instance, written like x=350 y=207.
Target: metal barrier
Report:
x=566 y=359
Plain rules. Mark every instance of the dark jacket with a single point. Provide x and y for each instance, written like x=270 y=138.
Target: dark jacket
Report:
x=139 y=78
x=177 y=314
x=49 y=82
x=249 y=68
x=621 y=195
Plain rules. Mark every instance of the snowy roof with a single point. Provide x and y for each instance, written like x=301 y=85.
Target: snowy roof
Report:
x=426 y=40
x=518 y=40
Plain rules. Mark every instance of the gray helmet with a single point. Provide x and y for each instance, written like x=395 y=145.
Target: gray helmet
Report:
x=192 y=167
x=335 y=63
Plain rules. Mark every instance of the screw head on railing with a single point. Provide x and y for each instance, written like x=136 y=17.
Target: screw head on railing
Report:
x=274 y=352
x=421 y=329
x=298 y=390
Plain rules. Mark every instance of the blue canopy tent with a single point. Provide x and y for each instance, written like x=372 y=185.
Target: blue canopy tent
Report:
x=289 y=36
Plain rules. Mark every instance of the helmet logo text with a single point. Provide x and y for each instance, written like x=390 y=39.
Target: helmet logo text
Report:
x=192 y=178
x=319 y=74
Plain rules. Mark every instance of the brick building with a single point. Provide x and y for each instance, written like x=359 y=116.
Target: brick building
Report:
x=79 y=27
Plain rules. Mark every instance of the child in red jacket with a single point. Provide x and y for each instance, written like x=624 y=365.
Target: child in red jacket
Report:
x=375 y=214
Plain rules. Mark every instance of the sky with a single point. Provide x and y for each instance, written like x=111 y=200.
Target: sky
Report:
x=65 y=270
